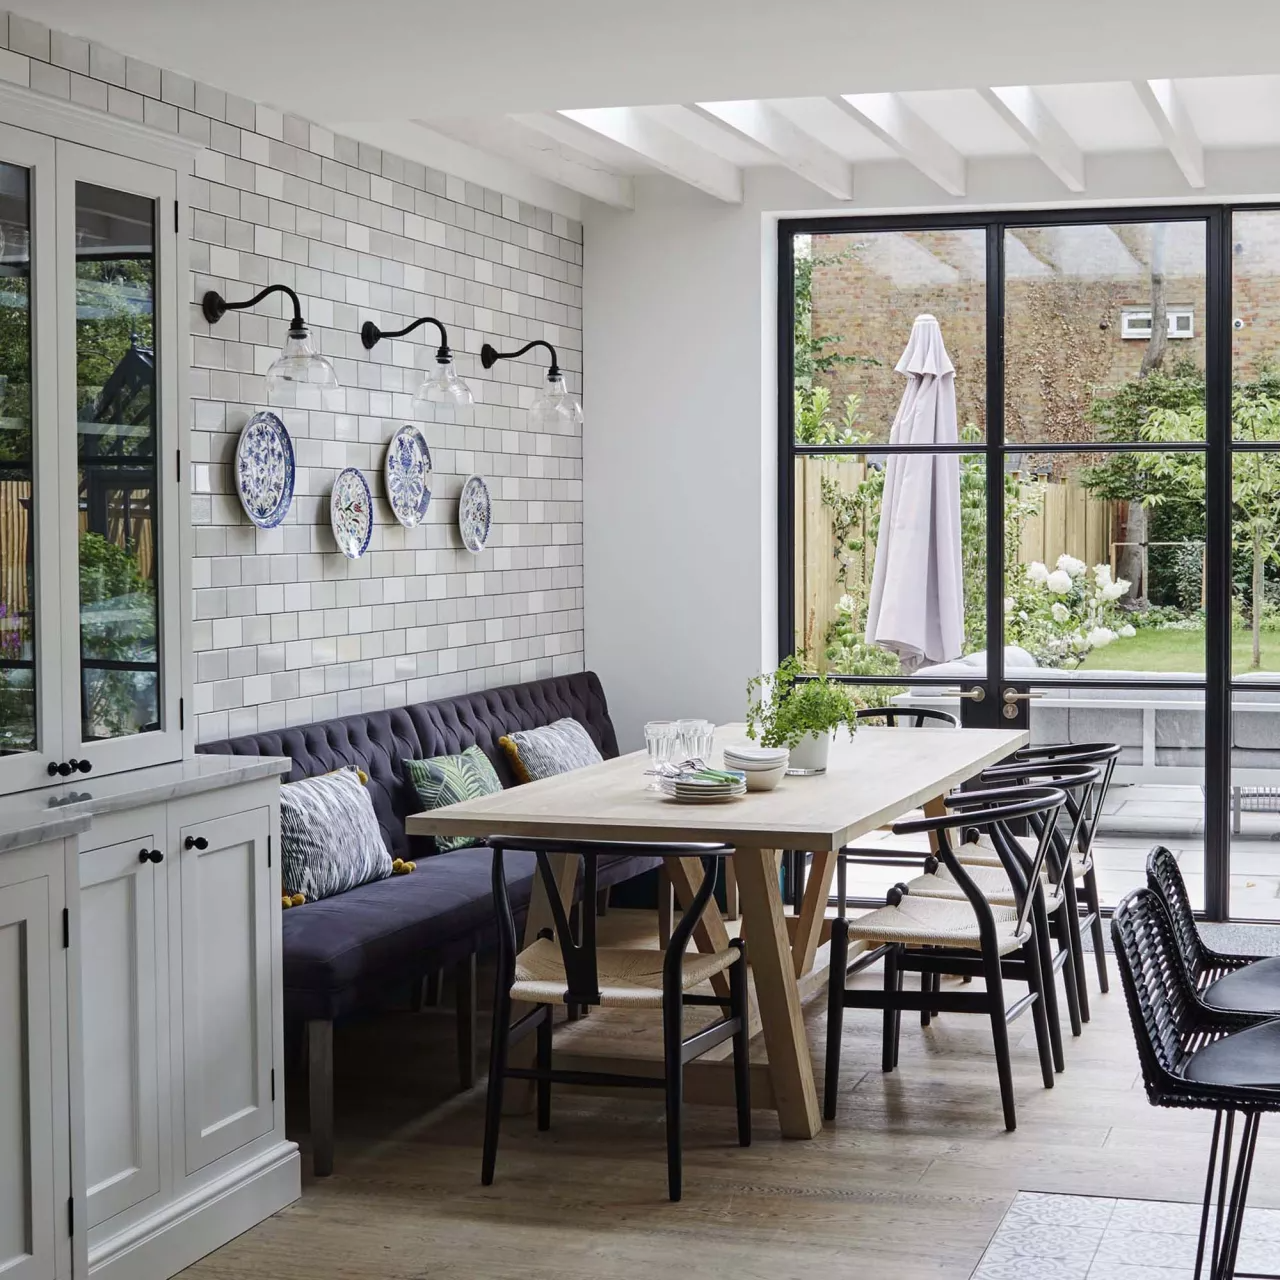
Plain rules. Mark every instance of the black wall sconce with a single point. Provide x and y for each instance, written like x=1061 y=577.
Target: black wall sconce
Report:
x=299 y=363
x=553 y=411
x=440 y=385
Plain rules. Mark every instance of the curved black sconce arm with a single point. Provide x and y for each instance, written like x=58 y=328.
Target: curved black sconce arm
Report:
x=371 y=335
x=215 y=306
x=489 y=356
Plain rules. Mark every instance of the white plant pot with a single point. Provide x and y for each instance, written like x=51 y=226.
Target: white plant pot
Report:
x=809 y=755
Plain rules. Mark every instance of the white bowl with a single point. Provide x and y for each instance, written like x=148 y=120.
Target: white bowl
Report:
x=754 y=766
x=752 y=751
x=766 y=779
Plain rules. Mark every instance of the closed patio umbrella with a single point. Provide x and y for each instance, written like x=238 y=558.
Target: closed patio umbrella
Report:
x=916 y=608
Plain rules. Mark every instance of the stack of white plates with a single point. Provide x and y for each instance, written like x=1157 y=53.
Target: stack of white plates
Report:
x=764 y=767
x=694 y=790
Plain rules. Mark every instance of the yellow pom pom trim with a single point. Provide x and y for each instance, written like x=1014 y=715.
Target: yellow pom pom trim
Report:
x=399 y=867
x=298 y=899
x=285 y=901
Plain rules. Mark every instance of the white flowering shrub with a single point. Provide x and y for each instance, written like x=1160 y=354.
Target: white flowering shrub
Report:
x=1059 y=615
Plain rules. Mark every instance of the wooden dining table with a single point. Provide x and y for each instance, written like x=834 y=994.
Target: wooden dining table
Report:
x=870 y=780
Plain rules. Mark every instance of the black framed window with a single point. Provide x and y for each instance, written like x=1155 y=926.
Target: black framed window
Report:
x=1117 y=389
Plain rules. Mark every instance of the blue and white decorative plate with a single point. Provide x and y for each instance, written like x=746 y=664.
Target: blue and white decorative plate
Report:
x=265 y=470
x=407 y=472
x=351 y=513
x=474 y=513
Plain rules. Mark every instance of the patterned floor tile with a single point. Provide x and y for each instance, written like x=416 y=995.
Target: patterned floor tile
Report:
x=1148 y=1249
x=1165 y=1216
x=1058 y=1211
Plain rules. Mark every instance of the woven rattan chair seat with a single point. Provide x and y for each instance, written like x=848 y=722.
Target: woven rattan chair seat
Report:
x=992 y=882
x=629 y=977
x=936 y=922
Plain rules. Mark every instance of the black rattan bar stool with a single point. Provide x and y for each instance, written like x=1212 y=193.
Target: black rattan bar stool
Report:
x=970 y=938
x=558 y=968
x=1246 y=984
x=1195 y=1056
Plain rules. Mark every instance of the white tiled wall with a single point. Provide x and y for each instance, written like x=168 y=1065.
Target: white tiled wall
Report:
x=287 y=630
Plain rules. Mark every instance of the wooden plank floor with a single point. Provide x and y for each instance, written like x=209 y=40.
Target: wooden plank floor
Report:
x=910 y=1181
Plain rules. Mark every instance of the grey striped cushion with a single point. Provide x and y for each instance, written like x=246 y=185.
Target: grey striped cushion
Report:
x=554 y=748
x=329 y=837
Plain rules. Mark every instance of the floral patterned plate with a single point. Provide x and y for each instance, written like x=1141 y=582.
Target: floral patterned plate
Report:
x=351 y=513
x=407 y=472
x=265 y=470
x=474 y=513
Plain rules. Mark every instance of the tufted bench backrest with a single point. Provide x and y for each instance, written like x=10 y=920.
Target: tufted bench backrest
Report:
x=377 y=741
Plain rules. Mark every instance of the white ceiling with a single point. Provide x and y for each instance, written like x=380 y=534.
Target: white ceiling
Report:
x=587 y=94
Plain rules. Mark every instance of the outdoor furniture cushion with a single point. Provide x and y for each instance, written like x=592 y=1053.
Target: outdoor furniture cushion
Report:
x=329 y=838
x=448 y=779
x=549 y=750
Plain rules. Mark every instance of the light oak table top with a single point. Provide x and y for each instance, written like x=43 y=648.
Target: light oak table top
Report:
x=874 y=778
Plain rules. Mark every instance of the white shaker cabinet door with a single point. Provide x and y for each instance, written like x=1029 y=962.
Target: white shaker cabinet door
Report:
x=33 y=1102
x=121 y=889
x=225 y=904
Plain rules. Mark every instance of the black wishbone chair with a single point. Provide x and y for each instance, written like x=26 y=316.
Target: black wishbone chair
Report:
x=1246 y=984
x=1084 y=876
x=894 y=718
x=559 y=969
x=1195 y=1056
x=970 y=938
x=1053 y=920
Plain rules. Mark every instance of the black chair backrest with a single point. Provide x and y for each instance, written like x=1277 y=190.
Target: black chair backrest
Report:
x=1102 y=753
x=582 y=975
x=1079 y=782
x=1163 y=1005
x=910 y=717
x=1164 y=878
x=991 y=812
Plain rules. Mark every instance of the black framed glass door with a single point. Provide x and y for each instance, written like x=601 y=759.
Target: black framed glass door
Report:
x=1113 y=523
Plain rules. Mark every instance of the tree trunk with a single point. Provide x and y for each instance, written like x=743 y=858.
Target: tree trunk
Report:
x=1130 y=559
x=1158 y=343
x=1258 y=562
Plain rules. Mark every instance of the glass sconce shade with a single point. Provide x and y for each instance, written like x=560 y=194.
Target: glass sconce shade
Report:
x=441 y=386
x=301 y=377
x=555 y=411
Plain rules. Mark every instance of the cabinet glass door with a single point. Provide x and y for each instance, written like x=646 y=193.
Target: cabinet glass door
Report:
x=115 y=236
x=29 y=728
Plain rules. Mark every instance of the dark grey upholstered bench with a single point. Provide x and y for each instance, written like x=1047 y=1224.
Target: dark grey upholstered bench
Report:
x=341 y=954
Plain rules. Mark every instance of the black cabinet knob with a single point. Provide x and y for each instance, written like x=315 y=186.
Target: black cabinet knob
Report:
x=83 y=765
x=156 y=856
x=144 y=855
x=63 y=769
x=195 y=842
x=53 y=768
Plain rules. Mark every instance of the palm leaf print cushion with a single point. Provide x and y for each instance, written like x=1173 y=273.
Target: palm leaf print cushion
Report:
x=445 y=780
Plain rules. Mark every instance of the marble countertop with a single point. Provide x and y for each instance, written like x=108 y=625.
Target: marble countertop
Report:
x=33 y=816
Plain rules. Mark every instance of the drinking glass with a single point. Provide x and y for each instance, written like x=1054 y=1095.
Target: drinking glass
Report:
x=660 y=738
x=688 y=731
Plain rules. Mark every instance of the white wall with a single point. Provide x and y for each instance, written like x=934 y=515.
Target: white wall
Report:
x=679 y=452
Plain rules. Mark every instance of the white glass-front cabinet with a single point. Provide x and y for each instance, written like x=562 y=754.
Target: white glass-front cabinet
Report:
x=90 y=566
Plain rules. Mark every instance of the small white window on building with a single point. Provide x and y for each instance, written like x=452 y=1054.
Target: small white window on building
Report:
x=1135 y=322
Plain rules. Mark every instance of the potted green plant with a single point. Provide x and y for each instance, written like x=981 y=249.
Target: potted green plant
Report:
x=791 y=709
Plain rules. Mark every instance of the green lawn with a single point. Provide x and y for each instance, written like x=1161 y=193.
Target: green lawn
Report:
x=1159 y=651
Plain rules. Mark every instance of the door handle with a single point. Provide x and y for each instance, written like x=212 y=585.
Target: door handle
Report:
x=150 y=855
x=976 y=694
x=1012 y=695
x=195 y=842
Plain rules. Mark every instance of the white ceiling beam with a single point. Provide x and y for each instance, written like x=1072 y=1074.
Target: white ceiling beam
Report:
x=799 y=151
x=895 y=124
x=1169 y=113
x=663 y=148
x=1024 y=111
x=542 y=155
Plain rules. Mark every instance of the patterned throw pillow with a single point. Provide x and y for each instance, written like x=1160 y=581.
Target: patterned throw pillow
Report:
x=445 y=780
x=555 y=748
x=329 y=836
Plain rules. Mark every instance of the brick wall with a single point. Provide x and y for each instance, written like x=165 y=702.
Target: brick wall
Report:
x=287 y=630
x=869 y=287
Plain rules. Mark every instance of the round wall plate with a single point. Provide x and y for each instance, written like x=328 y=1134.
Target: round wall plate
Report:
x=351 y=513
x=265 y=470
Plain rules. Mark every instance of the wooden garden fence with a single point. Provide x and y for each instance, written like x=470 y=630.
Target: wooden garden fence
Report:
x=1069 y=521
